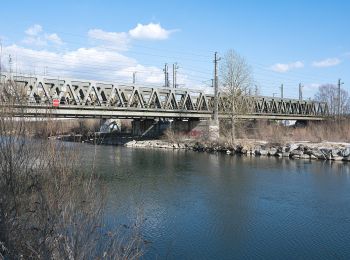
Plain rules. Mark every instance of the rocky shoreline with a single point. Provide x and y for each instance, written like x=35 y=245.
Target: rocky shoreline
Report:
x=294 y=150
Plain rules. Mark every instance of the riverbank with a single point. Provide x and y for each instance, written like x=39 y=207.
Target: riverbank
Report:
x=335 y=151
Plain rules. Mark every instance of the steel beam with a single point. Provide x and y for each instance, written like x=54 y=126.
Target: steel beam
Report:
x=83 y=98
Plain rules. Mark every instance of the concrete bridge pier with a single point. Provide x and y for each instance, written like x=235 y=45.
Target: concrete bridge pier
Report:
x=154 y=128
x=301 y=123
x=191 y=127
x=110 y=125
x=149 y=127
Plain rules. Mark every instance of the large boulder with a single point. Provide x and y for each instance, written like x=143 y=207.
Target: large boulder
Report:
x=285 y=154
x=346 y=159
x=307 y=150
x=318 y=154
x=261 y=151
x=246 y=149
x=130 y=144
x=199 y=147
x=291 y=147
x=336 y=152
x=327 y=153
x=345 y=152
x=284 y=149
x=305 y=156
x=301 y=147
x=313 y=157
x=337 y=158
x=296 y=152
x=272 y=151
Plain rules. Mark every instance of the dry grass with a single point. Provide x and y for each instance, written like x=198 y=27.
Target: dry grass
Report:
x=332 y=130
x=175 y=137
x=51 y=207
x=50 y=127
x=272 y=132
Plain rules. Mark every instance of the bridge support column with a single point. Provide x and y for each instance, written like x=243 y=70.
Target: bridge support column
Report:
x=301 y=123
x=149 y=127
x=191 y=127
x=110 y=125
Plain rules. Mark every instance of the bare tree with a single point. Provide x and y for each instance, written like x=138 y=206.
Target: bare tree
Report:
x=329 y=93
x=236 y=79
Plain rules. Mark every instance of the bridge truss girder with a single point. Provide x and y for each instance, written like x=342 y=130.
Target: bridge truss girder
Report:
x=133 y=100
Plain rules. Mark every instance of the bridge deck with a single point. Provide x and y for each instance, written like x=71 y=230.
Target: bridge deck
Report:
x=99 y=112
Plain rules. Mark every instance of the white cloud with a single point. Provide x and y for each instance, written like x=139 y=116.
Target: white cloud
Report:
x=326 y=63
x=90 y=63
x=284 y=67
x=54 y=38
x=85 y=63
x=119 y=41
x=34 y=30
x=35 y=41
x=152 y=31
x=151 y=74
x=95 y=63
x=35 y=36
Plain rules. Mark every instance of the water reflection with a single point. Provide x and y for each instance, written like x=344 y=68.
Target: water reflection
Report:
x=199 y=205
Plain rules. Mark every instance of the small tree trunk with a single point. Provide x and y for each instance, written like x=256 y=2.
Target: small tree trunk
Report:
x=233 y=128
x=233 y=136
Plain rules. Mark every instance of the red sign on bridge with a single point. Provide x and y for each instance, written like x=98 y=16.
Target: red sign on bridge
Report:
x=55 y=102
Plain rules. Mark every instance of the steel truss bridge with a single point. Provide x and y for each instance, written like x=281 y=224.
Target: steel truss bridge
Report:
x=72 y=98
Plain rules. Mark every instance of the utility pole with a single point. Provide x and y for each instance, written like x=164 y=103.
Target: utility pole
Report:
x=300 y=92
x=134 y=77
x=16 y=64
x=339 y=96
x=175 y=68
x=256 y=90
x=216 y=89
x=10 y=64
x=166 y=75
x=0 y=57
x=281 y=90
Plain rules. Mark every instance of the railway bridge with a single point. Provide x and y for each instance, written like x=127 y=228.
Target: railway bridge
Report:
x=45 y=96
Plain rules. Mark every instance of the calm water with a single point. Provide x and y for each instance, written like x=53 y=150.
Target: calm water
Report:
x=205 y=206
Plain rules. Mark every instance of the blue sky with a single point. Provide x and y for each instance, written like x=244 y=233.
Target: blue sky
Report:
x=284 y=42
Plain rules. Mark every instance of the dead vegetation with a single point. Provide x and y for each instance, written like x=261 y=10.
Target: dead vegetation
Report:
x=175 y=137
x=273 y=132
x=50 y=206
x=331 y=130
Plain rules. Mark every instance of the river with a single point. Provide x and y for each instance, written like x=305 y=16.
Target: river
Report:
x=209 y=206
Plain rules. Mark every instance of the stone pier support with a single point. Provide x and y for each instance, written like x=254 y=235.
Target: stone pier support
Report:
x=149 y=127
x=192 y=128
